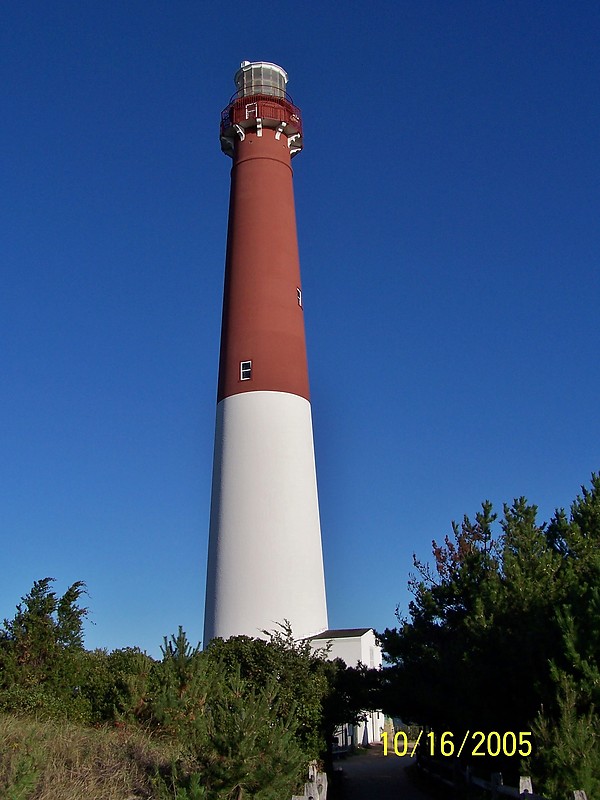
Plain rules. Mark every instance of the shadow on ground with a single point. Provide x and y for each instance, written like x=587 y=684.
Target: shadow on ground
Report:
x=373 y=776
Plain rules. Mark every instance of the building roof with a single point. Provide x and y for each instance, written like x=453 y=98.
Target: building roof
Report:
x=341 y=633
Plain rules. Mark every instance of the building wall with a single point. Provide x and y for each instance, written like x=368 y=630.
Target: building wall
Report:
x=352 y=650
x=265 y=559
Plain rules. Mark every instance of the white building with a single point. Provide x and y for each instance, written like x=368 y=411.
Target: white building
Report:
x=355 y=646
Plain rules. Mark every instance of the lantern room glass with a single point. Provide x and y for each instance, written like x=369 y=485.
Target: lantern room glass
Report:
x=260 y=77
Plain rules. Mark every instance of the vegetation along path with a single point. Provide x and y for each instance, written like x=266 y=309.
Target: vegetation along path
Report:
x=373 y=776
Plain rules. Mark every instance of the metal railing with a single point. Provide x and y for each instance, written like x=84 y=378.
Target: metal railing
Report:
x=267 y=106
x=262 y=89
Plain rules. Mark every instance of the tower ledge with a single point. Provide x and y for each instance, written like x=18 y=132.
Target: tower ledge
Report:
x=257 y=111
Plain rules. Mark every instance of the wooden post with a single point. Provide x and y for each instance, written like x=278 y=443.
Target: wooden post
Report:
x=525 y=786
x=316 y=787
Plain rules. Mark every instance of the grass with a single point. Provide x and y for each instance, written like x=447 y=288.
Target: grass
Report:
x=65 y=761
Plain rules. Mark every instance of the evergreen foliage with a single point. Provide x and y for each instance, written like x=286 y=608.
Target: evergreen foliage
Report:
x=504 y=633
x=254 y=750
x=568 y=745
x=234 y=716
x=297 y=670
x=41 y=654
x=245 y=715
x=117 y=685
x=182 y=688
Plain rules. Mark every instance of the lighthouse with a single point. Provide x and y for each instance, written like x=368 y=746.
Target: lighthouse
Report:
x=265 y=562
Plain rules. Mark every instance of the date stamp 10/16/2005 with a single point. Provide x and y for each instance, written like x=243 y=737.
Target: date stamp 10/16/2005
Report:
x=476 y=743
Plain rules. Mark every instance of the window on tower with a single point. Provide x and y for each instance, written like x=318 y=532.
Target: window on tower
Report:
x=245 y=370
x=299 y=295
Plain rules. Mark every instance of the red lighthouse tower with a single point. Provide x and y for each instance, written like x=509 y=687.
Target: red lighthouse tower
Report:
x=265 y=561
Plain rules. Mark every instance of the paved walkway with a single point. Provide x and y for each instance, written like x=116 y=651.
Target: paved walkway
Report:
x=373 y=776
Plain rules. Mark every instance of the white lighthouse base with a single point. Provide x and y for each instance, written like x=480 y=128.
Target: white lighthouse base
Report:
x=265 y=562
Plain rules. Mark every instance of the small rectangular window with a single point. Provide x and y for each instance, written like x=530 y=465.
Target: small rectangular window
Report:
x=299 y=293
x=245 y=370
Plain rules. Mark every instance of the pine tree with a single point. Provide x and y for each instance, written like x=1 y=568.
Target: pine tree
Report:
x=41 y=652
x=505 y=630
x=251 y=748
x=183 y=685
x=568 y=729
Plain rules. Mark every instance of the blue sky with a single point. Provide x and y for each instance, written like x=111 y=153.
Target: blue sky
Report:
x=447 y=200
